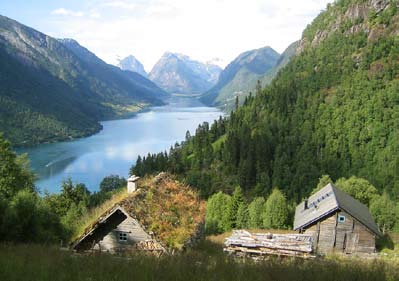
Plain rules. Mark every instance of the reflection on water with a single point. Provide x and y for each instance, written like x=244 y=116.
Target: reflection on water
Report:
x=116 y=147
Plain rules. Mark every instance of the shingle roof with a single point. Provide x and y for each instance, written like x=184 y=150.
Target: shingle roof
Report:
x=328 y=200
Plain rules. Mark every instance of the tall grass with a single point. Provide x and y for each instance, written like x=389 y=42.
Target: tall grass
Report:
x=34 y=262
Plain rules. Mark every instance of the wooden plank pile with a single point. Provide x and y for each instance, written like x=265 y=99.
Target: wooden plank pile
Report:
x=244 y=243
x=151 y=246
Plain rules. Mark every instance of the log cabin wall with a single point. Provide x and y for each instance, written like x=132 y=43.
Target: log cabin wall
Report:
x=326 y=235
x=341 y=233
x=365 y=239
x=344 y=229
x=123 y=237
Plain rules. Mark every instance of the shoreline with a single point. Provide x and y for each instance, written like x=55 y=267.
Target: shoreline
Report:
x=89 y=134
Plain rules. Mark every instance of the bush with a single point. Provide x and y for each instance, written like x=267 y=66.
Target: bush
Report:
x=255 y=210
x=358 y=188
x=275 y=214
x=112 y=182
x=217 y=213
x=384 y=212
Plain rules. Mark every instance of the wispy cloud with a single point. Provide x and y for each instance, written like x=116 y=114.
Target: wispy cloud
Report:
x=66 y=12
x=125 y=5
x=203 y=29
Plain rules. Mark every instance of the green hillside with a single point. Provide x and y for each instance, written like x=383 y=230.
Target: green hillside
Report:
x=332 y=110
x=55 y=90
x=245 y=80
x=240 y=77
x=284 y=59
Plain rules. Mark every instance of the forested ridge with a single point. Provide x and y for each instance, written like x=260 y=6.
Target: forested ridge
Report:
x=334 y=109
x=240 y=76
x=52 y=90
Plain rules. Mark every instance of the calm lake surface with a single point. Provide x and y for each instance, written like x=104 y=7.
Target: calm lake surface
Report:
x=116 y=147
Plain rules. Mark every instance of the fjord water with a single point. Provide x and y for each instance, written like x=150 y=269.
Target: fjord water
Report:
x=116 y=147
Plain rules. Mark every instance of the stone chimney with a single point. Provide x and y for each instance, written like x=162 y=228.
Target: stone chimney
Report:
x=131 y=183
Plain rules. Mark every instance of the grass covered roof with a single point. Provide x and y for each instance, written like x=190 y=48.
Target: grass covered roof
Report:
x=169 y=209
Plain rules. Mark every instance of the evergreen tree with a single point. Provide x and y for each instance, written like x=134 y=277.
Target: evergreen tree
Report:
x=242 y=216
x=275 y=213
x=138 y=168
x=188 y=136
x=237 y=200
x=217 y=213
x=255 y=212
x=258 y=88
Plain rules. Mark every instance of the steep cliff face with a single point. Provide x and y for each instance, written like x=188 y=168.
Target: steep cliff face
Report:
x=132 y=64
x=371 y=17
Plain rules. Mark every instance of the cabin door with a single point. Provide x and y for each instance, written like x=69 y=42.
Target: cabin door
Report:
x=350 y=242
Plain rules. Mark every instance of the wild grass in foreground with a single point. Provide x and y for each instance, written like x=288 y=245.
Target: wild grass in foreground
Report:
x=34 y=262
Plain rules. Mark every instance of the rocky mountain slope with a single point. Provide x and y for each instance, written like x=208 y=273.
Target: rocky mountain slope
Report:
x=283 y=60
x=333 y=109
x=240 y=76
x=128 y=84
x=177 y=73
x=132 y=64
x=55 y=90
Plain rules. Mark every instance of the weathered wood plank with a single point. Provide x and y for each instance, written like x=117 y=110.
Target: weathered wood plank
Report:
x=331 y=235
x=264 y=244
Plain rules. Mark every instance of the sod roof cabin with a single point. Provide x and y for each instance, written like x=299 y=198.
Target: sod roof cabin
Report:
x=161 y=216
x=338 y=222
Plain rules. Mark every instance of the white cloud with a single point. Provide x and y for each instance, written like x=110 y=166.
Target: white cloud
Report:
x=94 y=15
x=66 y=12
x=203 y=29
x=126 y=5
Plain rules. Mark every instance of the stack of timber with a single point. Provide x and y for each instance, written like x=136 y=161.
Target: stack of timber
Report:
x=244 y=243
x=151 y=246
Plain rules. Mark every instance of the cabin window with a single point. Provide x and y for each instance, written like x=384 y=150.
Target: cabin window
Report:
x=122 y=236
x=341 y=218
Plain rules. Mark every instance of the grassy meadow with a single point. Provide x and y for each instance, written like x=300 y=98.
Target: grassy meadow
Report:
x=206 y=262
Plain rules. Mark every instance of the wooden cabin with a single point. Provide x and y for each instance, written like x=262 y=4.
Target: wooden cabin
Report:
x=338 y=222
x=148 y=218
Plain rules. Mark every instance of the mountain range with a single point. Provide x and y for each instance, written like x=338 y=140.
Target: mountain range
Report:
x=240 y=76
x=332 y=110
x=56 y=89
x=179 y=74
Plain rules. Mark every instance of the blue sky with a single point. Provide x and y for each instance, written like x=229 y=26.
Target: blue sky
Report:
x=204 y=30
x=34 y=13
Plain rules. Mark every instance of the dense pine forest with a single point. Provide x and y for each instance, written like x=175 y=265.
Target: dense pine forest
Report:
x=333 y=110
